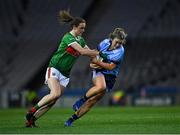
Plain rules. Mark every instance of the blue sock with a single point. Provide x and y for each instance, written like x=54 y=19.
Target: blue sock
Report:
x=74 y=117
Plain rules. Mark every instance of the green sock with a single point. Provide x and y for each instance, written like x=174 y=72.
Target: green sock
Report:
x=36 y=107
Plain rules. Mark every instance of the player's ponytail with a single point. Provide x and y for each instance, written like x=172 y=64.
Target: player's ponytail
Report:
x=66 y=17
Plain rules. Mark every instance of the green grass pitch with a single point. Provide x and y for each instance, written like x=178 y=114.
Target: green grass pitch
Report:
x=100 y=120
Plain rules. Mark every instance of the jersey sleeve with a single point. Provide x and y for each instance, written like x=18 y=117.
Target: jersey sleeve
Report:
x=69 y=40
x=103 y=45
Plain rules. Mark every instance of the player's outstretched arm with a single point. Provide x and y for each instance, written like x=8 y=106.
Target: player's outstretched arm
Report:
x=85 y=51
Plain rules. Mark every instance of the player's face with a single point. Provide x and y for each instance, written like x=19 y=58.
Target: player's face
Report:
x=80 y=29
x=116 y=43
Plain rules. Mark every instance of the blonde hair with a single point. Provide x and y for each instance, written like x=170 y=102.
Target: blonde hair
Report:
x=118 y=33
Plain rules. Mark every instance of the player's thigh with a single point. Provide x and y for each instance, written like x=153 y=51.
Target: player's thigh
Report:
x=56 y=81
x=55 y=86
x=99 y=80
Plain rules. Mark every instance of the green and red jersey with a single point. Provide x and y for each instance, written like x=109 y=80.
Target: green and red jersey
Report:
x=65 y=57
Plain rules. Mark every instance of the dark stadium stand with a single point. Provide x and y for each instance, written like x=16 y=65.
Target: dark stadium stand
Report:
x=29 y=33
x=35 y=41
x=164 y=23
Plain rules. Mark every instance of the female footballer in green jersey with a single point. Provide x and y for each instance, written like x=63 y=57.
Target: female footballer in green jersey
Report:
x=57 y=75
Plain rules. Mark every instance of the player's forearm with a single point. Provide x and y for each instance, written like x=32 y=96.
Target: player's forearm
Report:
x=84 y=51
x=108 y=66
x=89 y=52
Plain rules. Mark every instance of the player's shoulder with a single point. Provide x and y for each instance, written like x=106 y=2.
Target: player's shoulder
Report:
x=68 y=36
x=103 y=44
x=105 y=41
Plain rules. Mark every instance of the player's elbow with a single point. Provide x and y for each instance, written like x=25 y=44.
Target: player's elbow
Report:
x=111 y=67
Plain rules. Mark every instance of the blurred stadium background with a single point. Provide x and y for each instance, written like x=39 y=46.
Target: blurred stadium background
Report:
x=30 y=32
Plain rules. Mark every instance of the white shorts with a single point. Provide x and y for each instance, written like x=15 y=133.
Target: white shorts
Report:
x=95 y=74
x=52 y=72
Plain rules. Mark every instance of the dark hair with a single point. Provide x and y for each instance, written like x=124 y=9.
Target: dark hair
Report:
x=118 y=33
x=66 y=17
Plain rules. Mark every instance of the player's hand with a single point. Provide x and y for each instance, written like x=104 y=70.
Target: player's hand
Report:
x=95 y=66
x=97 y=52
x=94 y=60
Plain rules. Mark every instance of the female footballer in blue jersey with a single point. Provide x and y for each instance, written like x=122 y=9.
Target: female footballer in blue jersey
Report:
x=104 y=73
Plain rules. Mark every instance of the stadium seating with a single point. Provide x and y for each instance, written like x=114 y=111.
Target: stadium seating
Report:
x=30 y=33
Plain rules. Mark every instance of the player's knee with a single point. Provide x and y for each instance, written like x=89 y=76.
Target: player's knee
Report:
x=101 y=87
x=55 y=96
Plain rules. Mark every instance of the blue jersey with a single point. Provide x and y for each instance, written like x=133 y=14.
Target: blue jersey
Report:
x=114 y=56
